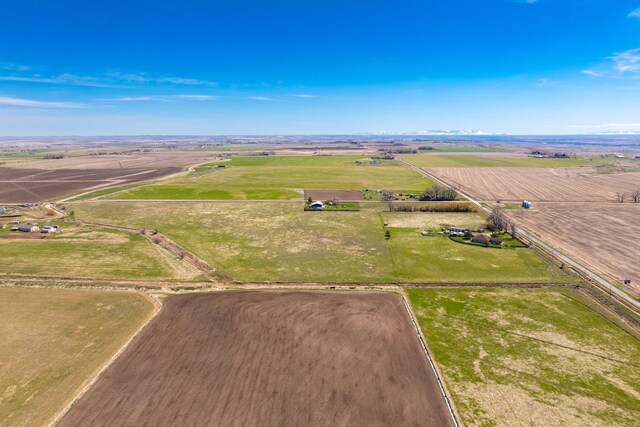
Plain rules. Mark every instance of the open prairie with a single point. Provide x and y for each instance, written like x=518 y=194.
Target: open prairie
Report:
x=270 y=358
x=276 y=241
x=539 y=184
x=83 y=252
x=535 y=357
x=281 y=177
x=53 y=340
x=603 y=237
x=40 y=180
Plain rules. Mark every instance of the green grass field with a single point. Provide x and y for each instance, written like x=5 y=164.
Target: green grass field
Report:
x=271 y=241
x=439 y=259
x=534 y=357
x=53 y=340
x=279 y=177
x=84 y=252
x=433 y=161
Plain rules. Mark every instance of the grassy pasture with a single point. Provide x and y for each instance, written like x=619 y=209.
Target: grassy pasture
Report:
x=531 y=357
x=279 y=177
x=439 y=259
x=425 y=160
x=84 y=252
x=265 y=241
x=52 y=341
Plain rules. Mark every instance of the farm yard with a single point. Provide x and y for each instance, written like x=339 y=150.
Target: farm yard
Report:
x=270 y=358
x=539 y=184
x=83 y=252
x=53 y=341
x=40 y=180
x=271 y=241
x=602 y=236
x=280 y=177
x=531 y=356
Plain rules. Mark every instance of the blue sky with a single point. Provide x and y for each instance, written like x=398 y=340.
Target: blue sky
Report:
x=77 y=67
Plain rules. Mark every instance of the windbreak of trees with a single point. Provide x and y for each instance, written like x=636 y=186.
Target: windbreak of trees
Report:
x=438 y=193
x=433 y=207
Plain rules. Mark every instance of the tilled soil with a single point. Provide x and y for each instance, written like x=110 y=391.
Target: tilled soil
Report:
x=269 y=358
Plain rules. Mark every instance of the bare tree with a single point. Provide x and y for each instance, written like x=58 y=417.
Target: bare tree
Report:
x=621 y=197
x=513 y=229
x=635 y=196
x=498 y=220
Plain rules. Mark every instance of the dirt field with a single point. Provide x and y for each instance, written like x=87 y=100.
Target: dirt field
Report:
x=53 y=340
x=604 y=237
x=539 y=184
x=343 y=195
x=40 y=180
x=270 y=358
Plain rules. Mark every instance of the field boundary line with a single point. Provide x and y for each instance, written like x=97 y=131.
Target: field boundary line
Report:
x=425 y=348
x=94 y=378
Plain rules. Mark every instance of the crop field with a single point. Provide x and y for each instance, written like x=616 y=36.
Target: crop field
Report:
x=534 y=357
x=270 y=358
x=83 y=252
x=53 y=340
x=280 y=177
x=604 y=237
x=539 y=184
x=280 y=242
x=40 y=180
x=473 y=161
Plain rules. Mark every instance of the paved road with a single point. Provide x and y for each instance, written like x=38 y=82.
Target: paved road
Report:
x=606 y=285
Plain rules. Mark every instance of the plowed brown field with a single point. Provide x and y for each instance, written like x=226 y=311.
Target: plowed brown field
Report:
x=270 y=358
x=41 y=180
x=539 y=184
x=604 y=237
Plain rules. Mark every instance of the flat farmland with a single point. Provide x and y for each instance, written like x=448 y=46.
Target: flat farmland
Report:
x=53 y=340
x=539 y=184
x=490 y=160
x=83 y=252
x=280 y=177
x=40 y=180
x=534 y=357
x=270 y=358
x=272 y=241
x=604 y=237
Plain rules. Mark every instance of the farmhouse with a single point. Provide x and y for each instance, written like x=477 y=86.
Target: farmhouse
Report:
x=496 y=241
x=26 y=228
x=481 y=238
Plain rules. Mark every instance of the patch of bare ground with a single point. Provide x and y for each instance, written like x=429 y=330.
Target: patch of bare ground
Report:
x=270 y=358
x=604 y=237
x=539 y=184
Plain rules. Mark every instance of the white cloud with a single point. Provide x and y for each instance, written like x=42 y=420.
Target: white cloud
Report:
x=592 y=73
x=111 y=80
x=303 y=95
x=627 y=61
x=163 y=98
x=619 y=64
x=635 y=13
x=20 y=102
x=262 y=98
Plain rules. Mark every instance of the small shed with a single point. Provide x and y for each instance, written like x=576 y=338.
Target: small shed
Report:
x=316 y=205
x=26 y=228
x=526 y=204
x=496 y=241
